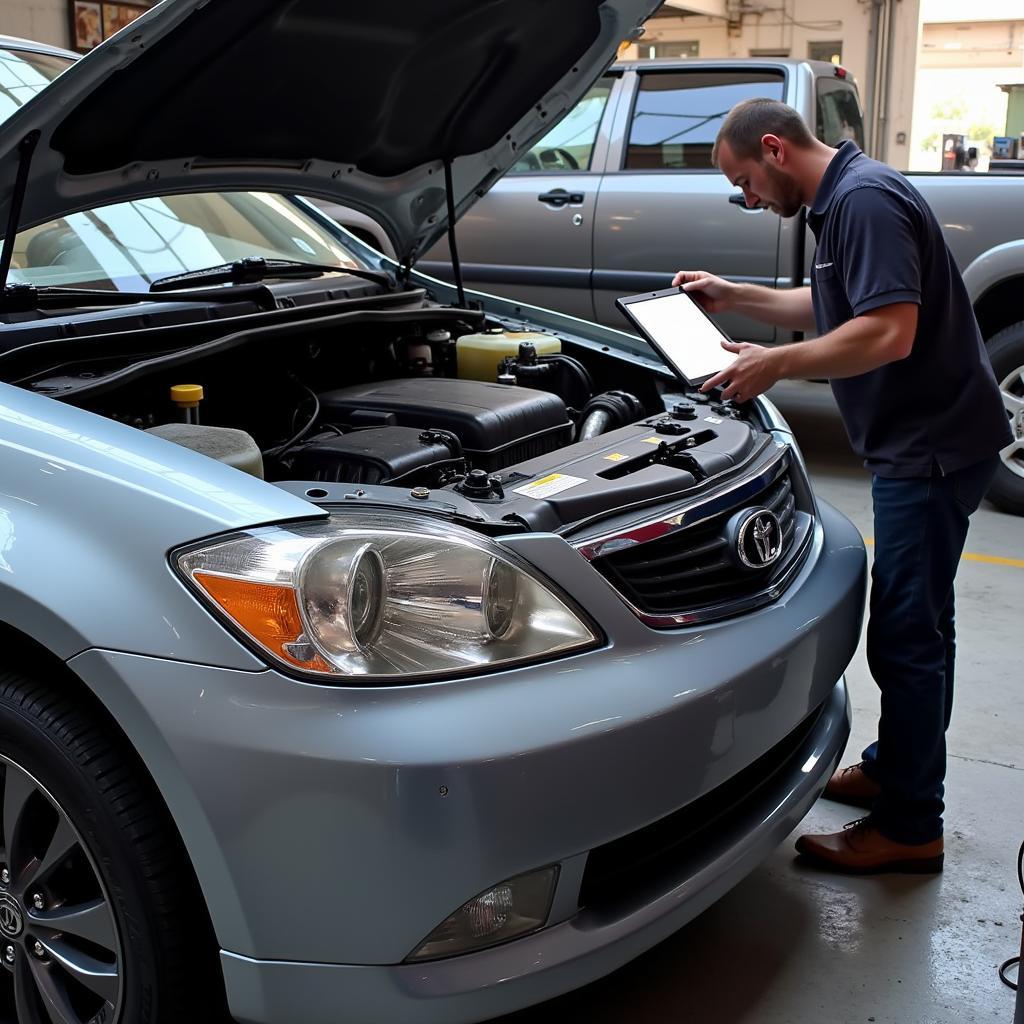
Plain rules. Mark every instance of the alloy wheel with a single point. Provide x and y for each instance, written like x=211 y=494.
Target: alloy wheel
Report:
x=1012 y=391
x=59 y=942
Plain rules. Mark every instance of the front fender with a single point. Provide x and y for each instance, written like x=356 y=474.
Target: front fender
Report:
x=90 y=508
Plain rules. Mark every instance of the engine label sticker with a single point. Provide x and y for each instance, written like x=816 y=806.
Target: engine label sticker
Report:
x=615 y=457
x=549 y=485
x=653 y=440
x=712 y=419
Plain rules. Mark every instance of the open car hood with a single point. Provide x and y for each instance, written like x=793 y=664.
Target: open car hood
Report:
x=360 y=104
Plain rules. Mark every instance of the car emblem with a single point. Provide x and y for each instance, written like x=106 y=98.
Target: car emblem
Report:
x=759 y=539
x=10 y=916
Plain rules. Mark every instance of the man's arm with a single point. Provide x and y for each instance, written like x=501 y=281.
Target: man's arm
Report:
x=864 y=343
x=880 y=336
x=783 y=307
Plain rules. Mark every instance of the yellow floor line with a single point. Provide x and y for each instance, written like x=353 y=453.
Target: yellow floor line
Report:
x=967 y=556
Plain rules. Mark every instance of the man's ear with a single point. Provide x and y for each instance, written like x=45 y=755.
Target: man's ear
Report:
x=773 y=148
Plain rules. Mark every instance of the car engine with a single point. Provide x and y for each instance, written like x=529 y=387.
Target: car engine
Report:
x=544 y=431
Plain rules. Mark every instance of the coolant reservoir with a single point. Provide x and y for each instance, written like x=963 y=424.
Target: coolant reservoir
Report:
x=478 y=355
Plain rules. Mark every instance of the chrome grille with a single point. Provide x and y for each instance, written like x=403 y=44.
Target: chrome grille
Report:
x=677 y=576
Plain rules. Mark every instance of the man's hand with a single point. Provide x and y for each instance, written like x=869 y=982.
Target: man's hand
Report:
x=781 y=307
x=752 y=373
x=713 y=294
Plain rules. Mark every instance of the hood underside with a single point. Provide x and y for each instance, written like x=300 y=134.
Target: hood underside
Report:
x=359 y=104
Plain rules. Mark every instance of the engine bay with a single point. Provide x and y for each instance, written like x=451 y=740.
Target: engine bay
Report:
x=536 y=431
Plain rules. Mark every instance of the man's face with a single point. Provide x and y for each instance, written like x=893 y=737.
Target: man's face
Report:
x=762 y=181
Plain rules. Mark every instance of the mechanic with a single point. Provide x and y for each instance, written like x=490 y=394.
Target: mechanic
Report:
x=899 y=342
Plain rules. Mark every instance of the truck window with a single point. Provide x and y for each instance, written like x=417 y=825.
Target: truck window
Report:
x=678 y=113
x=570 y=144
x=838 y=113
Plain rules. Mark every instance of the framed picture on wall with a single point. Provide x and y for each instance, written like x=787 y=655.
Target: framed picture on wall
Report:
x=86 y=25
x=92 y=21
x=116 y=16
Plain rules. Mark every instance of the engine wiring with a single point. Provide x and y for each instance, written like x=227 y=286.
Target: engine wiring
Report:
x=280 y=450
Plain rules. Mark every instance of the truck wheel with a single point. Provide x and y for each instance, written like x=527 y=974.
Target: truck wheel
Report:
x=1006 y=351
x=95 y=891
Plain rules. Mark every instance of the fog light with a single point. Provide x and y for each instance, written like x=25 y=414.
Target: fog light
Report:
x=509 y=910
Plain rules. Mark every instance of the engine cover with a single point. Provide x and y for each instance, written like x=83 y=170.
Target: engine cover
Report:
x=498 y=424
x=656 y=458
x=375 y=455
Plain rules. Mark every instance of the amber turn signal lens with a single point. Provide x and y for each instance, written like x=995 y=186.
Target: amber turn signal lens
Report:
x=268 y=612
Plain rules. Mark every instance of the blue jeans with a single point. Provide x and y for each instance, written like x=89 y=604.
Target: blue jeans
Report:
x=920 y=529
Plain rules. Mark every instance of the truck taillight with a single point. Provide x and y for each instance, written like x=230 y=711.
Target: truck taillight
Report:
x=840 y=72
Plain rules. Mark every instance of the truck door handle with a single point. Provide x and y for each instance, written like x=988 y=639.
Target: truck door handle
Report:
x=559 y=197
x=738 y=199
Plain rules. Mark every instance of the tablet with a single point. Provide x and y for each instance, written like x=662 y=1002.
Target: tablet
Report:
x=680 y=331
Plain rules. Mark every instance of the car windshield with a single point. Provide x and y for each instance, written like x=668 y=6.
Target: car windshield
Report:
x=127 y=246
x=23 y=74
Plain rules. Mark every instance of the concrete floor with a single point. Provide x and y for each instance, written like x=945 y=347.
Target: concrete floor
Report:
x=791 y=945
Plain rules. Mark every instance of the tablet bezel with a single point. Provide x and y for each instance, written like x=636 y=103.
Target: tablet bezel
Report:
x=629 y=300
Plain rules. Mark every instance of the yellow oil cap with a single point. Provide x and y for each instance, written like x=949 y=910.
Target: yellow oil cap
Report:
x=188 y=396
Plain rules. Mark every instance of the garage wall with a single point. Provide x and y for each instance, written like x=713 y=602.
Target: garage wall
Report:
x=798 y=29
x=982 y=44
x=45 y=21
x=49 y=21
x=787 y=29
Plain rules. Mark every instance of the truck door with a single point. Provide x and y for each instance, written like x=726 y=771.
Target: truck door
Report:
x=530 y=237
x=663 y=207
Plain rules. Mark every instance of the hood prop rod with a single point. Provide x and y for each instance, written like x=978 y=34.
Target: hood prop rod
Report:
x=450 y=197
x=26 y=148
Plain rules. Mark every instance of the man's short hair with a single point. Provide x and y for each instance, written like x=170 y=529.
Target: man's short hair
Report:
x=748 y=121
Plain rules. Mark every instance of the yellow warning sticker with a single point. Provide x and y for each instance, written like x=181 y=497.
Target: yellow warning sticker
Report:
x=549 y=485
x=653 y=440
x=616 y=457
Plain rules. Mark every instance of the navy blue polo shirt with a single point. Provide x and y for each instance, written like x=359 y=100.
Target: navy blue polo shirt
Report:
x=878 y=244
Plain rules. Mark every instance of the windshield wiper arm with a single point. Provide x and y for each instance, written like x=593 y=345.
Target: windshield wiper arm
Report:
x=256 y=268
x=23 y=297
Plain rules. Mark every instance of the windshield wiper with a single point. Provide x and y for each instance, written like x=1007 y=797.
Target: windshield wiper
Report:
x=24 y=298
x=256 y=268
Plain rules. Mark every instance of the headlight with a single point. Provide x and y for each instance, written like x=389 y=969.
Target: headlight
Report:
x=383 y=596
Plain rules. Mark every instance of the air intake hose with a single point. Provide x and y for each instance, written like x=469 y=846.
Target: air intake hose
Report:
x=608 y=411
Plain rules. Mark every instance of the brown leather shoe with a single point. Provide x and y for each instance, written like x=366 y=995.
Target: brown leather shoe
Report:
x=860 y=849
x=852 y=786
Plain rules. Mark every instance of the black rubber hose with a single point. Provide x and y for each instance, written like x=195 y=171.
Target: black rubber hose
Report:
x=607 y=411
x=576 y=385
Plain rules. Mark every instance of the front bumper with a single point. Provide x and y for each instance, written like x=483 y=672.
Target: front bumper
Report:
x=332 y=829
x=557 y=959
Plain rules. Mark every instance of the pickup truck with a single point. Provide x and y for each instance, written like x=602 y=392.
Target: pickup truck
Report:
x=622 y=193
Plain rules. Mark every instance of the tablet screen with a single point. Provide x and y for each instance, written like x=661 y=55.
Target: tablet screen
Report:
x=686 y=337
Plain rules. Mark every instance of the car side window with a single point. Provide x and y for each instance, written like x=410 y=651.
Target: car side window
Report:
x=569 y=146
x=838 y=116
x=678 y=113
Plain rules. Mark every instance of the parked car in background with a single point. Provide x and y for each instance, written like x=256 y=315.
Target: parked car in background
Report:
x=622 y=193
x=342 y=682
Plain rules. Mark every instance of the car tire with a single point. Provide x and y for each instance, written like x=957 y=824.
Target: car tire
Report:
x=99 y=920
x=1006 y=352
